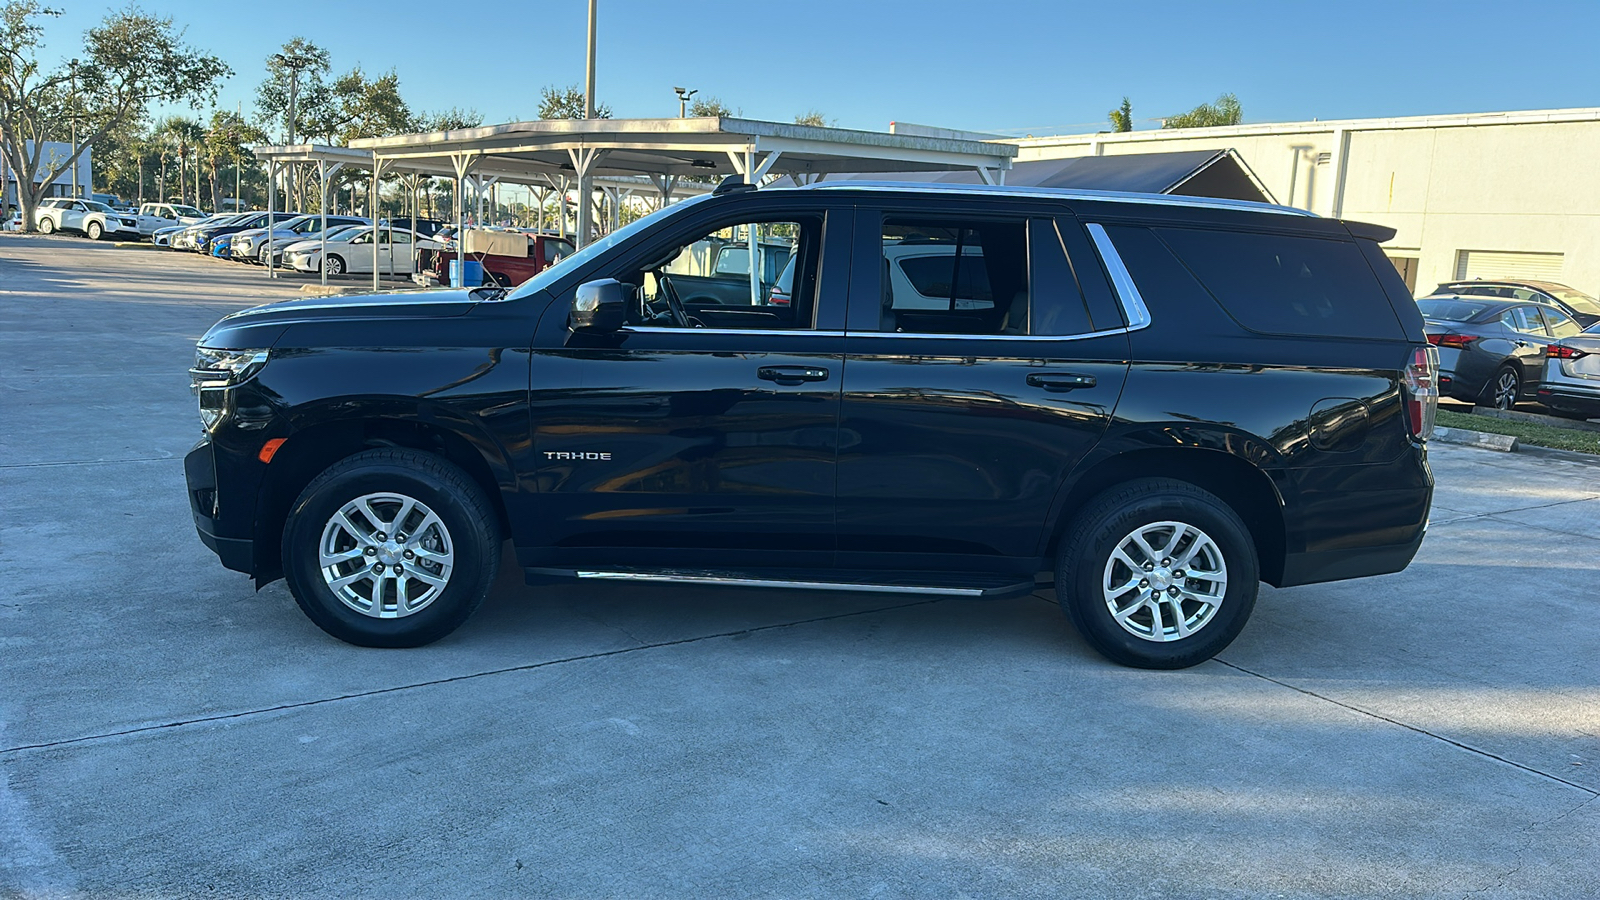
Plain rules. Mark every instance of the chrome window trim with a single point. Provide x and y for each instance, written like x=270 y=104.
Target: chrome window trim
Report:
x=989 y=337
x=1121 y=279
x=992 y=190
x=669 y=329
x=779 y=583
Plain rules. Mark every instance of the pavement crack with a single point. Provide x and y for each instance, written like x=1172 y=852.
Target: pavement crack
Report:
x=283 y=707
x=1422 y=731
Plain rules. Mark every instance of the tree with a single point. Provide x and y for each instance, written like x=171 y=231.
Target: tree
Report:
x=225 y=141
x=712 y=106
x=567 y=103
x=450 y=120
x=129 y=61
x=1226 y=111
x=814 y=117
x=1122 y=117
x=183 y=137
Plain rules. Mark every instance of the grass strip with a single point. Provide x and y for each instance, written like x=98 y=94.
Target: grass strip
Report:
x=1527 y=432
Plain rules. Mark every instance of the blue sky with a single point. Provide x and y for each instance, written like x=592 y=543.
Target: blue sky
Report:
x=1014 y=67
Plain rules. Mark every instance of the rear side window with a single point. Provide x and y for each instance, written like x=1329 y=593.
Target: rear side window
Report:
x=1283 y=284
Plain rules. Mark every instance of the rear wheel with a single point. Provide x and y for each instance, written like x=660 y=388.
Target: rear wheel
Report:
x=391 y=548
x=1503 y=390
x=94 y=231
x=1157 y=574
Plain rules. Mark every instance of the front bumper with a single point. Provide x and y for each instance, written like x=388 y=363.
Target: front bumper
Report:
x=200 y=474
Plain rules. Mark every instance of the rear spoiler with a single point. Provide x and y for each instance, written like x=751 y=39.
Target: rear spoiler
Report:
x=1368 y=231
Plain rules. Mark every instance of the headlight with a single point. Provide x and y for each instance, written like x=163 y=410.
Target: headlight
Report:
x=214 y=372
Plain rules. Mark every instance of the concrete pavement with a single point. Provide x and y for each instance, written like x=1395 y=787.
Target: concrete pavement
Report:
x=167 y=731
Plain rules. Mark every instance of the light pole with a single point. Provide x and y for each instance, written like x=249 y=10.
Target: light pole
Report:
x=73 y=115
x=683 y=100
x=585 y=179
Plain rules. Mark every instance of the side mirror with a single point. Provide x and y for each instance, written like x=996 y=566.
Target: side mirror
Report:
x=598 y=306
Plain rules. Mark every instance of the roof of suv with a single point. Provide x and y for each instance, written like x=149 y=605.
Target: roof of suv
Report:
x=1055 y=194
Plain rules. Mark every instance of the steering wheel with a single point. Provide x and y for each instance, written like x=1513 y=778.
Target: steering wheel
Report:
x=680 y=318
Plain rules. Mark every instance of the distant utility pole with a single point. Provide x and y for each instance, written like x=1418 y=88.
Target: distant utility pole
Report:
x=294 y=63
x=74 y=116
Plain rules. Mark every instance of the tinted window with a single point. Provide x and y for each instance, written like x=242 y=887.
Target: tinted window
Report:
x=1280 y=284
x=931 y=276
x=692 y=276
x=1058 y=306
x=1450 y=310
x=1522 y=318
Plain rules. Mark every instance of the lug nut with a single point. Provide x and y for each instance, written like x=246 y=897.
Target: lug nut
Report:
x=397 y=569
x=1166 y=562
x=372 y=551
x=409 y=554
x=1173 y=592
x=1144 y=582
x=378 y=568
x=1149 y=566
x=378 y=536
x=1178 y=574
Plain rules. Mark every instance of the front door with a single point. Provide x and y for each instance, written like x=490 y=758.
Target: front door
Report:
x=702 y=434
x=977 y=373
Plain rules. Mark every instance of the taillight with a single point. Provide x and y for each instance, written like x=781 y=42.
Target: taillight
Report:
x=1556 y=351
x=1453 y=341
x=1422 y=391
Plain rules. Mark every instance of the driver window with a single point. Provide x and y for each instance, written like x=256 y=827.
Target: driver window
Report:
x=707 y=282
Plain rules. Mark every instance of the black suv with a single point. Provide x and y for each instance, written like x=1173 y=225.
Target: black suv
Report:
x=1162 y=401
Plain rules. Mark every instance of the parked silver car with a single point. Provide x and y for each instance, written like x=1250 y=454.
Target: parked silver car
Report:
x=1571 y=384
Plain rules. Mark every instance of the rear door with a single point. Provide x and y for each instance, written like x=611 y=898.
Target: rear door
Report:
x=958 y=424
x=701 y=442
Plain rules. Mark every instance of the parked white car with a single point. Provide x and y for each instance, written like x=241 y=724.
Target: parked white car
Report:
x=251 y=244
x=154 y=216
x=350 y=251
x=87 y=217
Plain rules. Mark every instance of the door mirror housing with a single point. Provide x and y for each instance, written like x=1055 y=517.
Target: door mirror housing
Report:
x=598 y=306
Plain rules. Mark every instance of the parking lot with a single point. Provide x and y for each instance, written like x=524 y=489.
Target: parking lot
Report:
x=166 y=729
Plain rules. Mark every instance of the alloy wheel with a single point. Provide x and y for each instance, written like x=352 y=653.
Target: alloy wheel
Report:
x=1164 y=581
x=386 y=555
x=1505 y=389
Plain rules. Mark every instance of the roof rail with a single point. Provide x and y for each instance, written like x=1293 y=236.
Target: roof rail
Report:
x=1057 y=194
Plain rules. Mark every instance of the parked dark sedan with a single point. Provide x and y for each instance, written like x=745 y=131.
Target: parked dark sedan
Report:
x=1575 y=303
x=1492 y=351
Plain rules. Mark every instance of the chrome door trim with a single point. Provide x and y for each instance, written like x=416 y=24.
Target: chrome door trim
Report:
x=1127 y=292
x=732 y=581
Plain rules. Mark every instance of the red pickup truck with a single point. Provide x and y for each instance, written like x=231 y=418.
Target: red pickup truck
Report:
x=500 y=268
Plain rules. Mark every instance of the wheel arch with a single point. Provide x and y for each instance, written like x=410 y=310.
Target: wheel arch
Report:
x=311 y=449
x=1247 y=489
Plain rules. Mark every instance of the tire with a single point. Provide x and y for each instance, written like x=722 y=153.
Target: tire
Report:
x=335 y=264
x=449 y=562
x=1503 y=390
x=1099 y=545
x=47 y=226
x=94 y=231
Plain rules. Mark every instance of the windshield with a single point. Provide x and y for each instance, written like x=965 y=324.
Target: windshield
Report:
x=1450 y=310
x=187 y=211
x=543 y=280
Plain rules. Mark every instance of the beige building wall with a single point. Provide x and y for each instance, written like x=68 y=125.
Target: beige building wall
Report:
x=1525 y=182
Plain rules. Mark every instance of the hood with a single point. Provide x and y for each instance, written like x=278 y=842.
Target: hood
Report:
x=261 y=326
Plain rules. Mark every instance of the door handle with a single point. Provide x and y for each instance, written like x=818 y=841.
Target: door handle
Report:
x=1061 y=381
x=791 y=375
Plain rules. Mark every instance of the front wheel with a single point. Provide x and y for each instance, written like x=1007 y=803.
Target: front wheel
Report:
x=94 y=231
x=391 y=548
x=335 y=265
x=47 y=226
x=1158 y=574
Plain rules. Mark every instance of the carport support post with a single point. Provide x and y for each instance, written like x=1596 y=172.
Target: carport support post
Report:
x=272 y=201
x=583 y=163
x=377 y=170
x=462 y=162
x=323 y=174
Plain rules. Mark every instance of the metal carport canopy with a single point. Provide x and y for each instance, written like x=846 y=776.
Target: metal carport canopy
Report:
x=712 y=145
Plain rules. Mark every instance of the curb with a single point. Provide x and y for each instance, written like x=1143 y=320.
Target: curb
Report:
x=1503 y=443
x=134 y=245
x=1507 y=415
x=1577 y=456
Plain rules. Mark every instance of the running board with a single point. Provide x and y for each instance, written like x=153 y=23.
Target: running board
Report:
x=975 y=589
